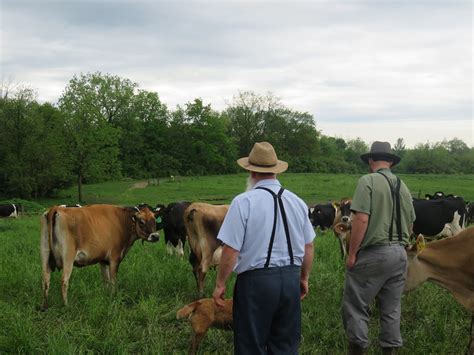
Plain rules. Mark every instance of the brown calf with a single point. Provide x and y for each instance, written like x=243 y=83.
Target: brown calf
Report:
x=204 y=314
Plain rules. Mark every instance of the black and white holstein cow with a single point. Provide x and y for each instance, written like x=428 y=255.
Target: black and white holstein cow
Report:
x=323 y=215
x=170 y=219
x=469 y=213
x=9 y=210
x=437 y=218
x=438 y=195
x=328 y=215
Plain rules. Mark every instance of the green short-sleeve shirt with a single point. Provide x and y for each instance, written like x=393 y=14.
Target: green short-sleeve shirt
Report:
x=373 y=197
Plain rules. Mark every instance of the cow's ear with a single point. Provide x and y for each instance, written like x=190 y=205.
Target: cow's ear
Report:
x=157 y=212
x=419 y=244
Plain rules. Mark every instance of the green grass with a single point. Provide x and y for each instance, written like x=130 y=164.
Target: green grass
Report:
x=140 y=317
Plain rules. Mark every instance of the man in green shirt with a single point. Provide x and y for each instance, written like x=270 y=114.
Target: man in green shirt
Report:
x=377 y=262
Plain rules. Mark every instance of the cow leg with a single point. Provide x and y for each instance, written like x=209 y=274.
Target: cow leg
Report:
x=46 y=283
x=169 y=248
x=195 y=341
x=113 y=269
x=200 y=281
x=195 y=265
x=199 y=274
x=203 y=269
x=68 y=263
x=104 y=269
x=180 y=248
x=342 y=246
x=45 y=255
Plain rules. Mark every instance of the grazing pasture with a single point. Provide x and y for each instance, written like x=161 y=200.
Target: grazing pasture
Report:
x=141 y=316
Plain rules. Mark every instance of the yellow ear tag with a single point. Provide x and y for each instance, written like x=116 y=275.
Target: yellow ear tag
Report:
x=420 y=246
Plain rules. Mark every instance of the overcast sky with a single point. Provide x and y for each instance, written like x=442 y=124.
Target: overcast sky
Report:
x=378 y=70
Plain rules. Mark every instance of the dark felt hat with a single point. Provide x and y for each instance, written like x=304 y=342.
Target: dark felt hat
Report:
x=381 y=149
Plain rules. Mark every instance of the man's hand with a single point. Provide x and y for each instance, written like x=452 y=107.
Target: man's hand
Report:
x=228 y=260
x=351 y=260
x=218 y=295
x=304 y=288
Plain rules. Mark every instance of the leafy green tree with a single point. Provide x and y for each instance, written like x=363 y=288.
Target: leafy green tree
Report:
x=427 y=159
x=354 y=149
x=203 y=145
x=92 y=142
x=247 y=116
x=294 y=136
x=33 y=162
x=331 y=158
x=143 y=141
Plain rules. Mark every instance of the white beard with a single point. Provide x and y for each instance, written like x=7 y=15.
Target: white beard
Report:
x=250 y=183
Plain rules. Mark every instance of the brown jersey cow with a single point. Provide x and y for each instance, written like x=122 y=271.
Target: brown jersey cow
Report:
x=202 y=222
x=90 y=235
x=448 y=263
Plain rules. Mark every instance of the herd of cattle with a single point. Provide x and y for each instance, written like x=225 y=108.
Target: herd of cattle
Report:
x=80 y=236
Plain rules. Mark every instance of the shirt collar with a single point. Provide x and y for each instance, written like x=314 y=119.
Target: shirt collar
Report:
x=267 y=182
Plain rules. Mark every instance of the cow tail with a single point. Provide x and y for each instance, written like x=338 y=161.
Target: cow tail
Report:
x=191 y=214
x=187 y=310
x=51 y=218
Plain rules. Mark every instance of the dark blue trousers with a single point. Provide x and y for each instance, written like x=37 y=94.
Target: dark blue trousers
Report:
x=267 y=311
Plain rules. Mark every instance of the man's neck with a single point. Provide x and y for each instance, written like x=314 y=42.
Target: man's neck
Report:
x=258 y=177
x=377 y=165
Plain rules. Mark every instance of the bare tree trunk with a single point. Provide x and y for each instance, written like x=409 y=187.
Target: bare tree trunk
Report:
x=79 y=187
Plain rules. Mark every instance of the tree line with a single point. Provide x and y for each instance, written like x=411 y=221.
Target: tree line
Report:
x=105 y=127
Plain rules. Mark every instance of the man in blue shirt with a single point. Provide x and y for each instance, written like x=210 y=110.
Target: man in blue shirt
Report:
x=268 y=242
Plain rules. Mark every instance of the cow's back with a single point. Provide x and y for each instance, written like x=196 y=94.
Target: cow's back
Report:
x=433 y=215
x=96 y=230
x=202 y=222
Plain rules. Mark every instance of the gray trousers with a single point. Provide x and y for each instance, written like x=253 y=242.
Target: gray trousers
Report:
x=379 y=273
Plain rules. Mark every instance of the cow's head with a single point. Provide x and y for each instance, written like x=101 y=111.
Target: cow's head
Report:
x=345 y=208
x=145 y=224
x=415 y=275
x=436 y=196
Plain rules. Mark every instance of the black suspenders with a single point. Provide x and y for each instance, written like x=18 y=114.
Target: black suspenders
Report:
x=395 y=192
x=277 y=197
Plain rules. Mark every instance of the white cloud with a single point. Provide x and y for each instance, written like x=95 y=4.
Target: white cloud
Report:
x=376 y=63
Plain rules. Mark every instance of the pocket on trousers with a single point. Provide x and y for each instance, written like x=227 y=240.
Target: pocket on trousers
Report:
x=368 y=260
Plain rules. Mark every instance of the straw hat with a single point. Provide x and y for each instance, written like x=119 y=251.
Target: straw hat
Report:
x=381 y=149
x=263 y=159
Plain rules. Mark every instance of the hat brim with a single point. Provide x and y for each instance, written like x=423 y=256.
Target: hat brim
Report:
x=280 y=166
x=395 y=158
